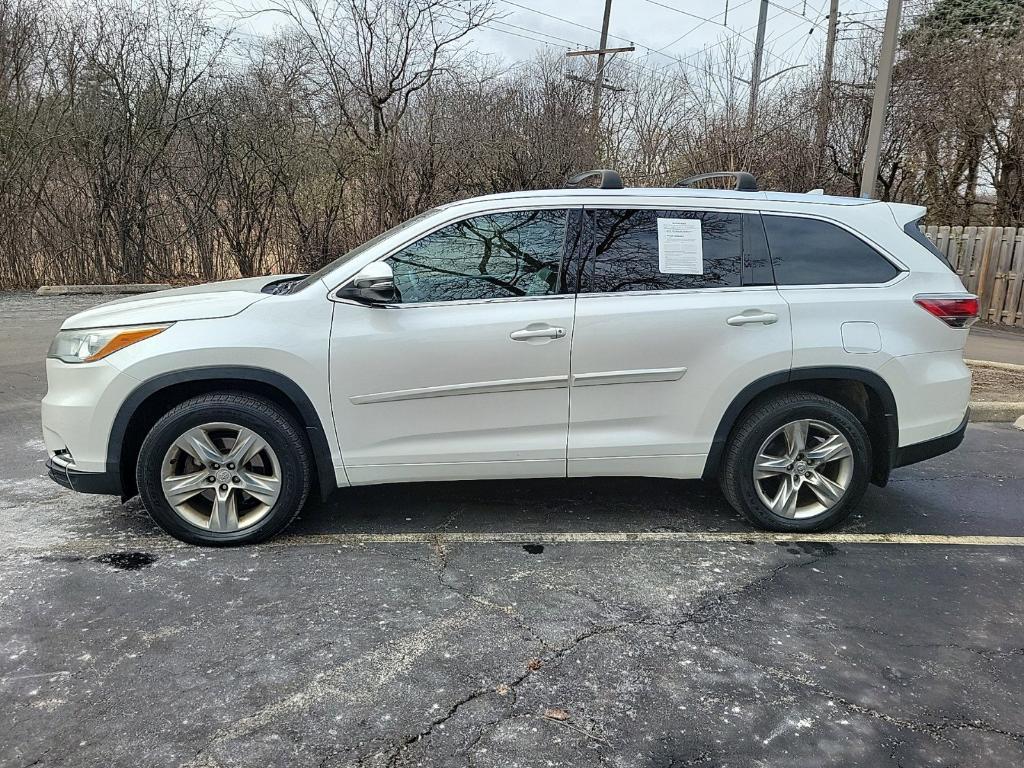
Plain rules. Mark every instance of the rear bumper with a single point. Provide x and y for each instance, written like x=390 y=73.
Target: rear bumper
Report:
x=911 y=454
x=84 y=482
x=932 y=392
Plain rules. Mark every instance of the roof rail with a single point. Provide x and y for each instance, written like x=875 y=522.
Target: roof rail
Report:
x=745 y=182
x=609 y=179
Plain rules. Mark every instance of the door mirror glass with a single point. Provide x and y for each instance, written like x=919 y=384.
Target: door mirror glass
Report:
x=373 y=284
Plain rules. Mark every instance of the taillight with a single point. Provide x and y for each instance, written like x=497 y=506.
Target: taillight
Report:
x=958 y=311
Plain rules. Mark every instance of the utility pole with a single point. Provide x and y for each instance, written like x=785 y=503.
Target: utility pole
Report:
x=825 y=97
x=755 y=74
x=595 y=109
x=599 y=83
x=880 y=105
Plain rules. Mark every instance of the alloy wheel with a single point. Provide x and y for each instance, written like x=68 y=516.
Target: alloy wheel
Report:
x=221 y=477
x=803 y=469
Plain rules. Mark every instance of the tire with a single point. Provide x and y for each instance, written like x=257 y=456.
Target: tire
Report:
x=770 y=430
x=246 y=502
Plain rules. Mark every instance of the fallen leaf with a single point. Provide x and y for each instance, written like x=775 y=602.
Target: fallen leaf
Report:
x=556 y=713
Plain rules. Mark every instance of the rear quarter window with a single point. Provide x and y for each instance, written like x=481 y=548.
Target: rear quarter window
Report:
x=814 y=252
x=913 y=228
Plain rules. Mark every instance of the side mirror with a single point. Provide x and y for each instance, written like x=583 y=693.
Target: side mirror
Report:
x=373 y=284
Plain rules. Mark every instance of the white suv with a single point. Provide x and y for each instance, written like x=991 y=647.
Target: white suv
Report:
x=793 y=347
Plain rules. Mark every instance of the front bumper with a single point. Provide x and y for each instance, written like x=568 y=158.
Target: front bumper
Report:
x=912 y=454
x=82 y=400
x=84 y=482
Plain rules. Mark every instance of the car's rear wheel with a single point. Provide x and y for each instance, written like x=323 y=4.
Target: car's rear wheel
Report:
x=224 y=469
x=797 y=462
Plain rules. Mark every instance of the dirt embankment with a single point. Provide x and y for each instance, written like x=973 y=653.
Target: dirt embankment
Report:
x=997 y=385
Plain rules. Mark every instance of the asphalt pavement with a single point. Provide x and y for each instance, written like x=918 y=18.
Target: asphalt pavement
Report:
x=606 y=622
x=995 y=343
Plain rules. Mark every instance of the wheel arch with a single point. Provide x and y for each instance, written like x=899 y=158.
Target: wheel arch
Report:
x=878 y=413
x=155 y=396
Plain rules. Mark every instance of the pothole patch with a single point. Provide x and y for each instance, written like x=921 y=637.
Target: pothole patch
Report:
x=126 y=561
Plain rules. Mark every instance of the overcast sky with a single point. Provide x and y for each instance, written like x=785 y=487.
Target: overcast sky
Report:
x=663 y=31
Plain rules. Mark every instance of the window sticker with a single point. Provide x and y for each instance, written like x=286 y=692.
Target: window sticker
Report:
x=680 y=249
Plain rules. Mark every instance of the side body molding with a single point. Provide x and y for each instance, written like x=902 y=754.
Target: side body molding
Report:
x=227 y=375
x=747 y=395
x=638 y=376
x=470 y=388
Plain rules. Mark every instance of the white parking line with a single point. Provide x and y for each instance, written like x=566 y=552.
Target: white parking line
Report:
x=647 y=537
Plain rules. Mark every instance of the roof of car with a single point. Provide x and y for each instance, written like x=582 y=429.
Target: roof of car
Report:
x=678 y=192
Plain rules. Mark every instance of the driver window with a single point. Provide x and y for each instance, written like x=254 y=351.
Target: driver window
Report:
x=500 y=255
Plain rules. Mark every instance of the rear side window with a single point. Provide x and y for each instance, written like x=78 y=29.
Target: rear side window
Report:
x=813 y=252
x=913 y=228
x=625 y=251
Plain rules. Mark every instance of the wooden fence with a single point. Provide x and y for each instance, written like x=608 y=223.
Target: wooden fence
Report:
x=990 y=261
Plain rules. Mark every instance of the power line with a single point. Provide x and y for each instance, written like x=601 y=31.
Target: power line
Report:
x=576 y=43
x=706 y=48
x=679 y=10
x=771 y=39
x=698 y=26
x=533 y=35
x=807 y=37
x=650 y=50
x=789 y=31
x=573 y=42
x=536 y=32
x=694 y=29
x=821 y=14
x=525 y=37
x=736 y=34
x=563 y=20
x=791 y=12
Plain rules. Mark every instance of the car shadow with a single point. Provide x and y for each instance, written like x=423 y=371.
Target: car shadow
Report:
x=599 y=505
x=619 y=504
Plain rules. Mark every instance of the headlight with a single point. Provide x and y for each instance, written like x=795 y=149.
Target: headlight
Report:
x=88 y=344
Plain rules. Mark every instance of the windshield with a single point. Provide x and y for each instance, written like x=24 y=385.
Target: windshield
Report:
x=308 y=280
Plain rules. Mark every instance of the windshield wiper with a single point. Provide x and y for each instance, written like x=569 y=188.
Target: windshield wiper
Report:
x=283 y=287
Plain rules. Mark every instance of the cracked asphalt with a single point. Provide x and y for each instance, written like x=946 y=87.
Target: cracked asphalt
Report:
x=347 y=644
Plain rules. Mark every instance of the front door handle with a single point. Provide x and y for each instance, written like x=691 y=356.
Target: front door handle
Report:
x=766 y=318
x=525 y=334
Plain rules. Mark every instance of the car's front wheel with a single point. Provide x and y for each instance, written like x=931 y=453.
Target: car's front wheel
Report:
x=224 y=469
x=797 y=462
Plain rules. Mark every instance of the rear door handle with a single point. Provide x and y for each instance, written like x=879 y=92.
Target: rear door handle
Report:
x=525 y=334
x=766 y=318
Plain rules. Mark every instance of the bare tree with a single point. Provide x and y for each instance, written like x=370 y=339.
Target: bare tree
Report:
x=138 y=142
x=376 y=55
